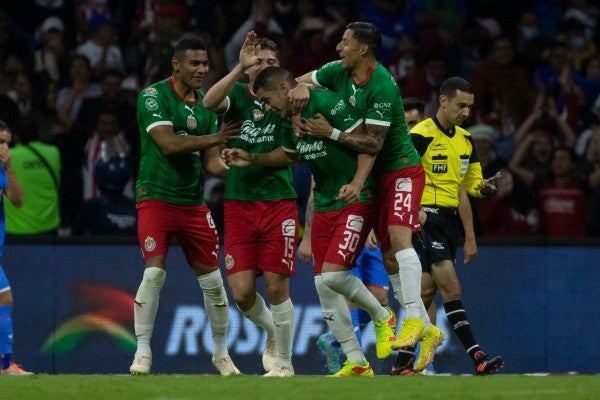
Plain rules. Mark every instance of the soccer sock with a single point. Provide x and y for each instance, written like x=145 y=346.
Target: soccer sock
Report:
x=283 y=319
x=409 y=268
x=146 y=305
x=460 y=325
x=355 y=315
x=216 y=307
x=397 y=288
x=6 y=335
x=337 y=315
x=354 y=290
x=261 y=315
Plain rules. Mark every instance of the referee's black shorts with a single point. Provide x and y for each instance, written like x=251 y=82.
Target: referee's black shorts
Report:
x=438 y=240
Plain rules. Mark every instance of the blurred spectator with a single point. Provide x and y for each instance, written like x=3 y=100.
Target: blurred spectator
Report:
x=70 y=97
x=530 y=43
x=483 y=139
x=511 y=211
x=105 y=142
x=37 y=166
x=531 y=160
x=563 y=199
x=111 y=212
x=393 y=18
x=425 y=83
x=589 y=150
x=498 y=77
x=50 y=58
x=101 y=49
x=589 y=83
x=578 y=41
x=22 y=95
x=403 y=61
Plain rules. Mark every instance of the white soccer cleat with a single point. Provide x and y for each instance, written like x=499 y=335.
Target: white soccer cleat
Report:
x=226 y=366
x=141 y=364
x=269 y=355
x=281 y=370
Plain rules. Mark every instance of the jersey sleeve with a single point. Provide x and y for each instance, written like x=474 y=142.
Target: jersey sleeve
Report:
x=151 y=109
x=328 y=75
x=474 y=173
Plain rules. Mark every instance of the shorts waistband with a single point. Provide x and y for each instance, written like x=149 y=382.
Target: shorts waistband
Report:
x=446 y=211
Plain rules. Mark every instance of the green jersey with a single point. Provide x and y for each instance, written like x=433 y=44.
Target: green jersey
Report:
x=262 y=131
x=378 y=101
x=332 y=164
x=176 y=178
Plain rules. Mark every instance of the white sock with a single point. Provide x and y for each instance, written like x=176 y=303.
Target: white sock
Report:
x=216 y=307
x=283 y=319
x=260 y=314
x=146 y=306
x=337 y=315
x=410 y=279
x=354 y=290
x=397 y=288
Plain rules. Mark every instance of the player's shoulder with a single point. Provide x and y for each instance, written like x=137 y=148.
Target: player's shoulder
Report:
x=462 y=131
x=154 y=90
x=426 y=128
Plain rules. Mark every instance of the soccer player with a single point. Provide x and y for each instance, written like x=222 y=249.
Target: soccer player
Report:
x=449 y=159
x=179 y=138
x=11 y=188
x=373 y=92
x=261 y=218
x=344 y=212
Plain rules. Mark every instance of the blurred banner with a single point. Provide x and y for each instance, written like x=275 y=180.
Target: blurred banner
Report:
x=73 y=312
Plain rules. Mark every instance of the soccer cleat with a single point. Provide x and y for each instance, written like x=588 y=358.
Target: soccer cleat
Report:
x=385 y=333
x=432 y=338
x=350 y=369
x=269 y=355
x=14 y=370
x=484 y=365
x=403 y=370
x=332 y=352
x=281 y=370
x=141 y=364
x=226 y=366
x=410 y=334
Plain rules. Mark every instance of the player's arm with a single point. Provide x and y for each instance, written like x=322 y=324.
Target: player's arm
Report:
x=216 y=97
x=13 y=190
x=213 y=164
x=350 y=192
x=171 y=144
x=300 y=95
x=275 y=158
x=466 y=216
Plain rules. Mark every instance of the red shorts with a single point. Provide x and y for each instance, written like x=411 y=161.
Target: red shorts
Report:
x=338 y=236
x=192 y=226
x=261 y=236
x=400 y=193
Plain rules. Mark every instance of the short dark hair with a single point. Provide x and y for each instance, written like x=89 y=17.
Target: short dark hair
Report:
x=366 y=33
x=267 y=44
x=270 y=77
x=453 y=84
x=4 y=127
x=414 y=103
x=189 y=41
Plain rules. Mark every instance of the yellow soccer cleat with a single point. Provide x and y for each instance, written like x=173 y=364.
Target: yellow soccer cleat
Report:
x=384 y=331
x=350 y=369
x=411 y=333
x=431 y=340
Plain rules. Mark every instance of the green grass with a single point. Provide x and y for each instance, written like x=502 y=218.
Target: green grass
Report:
x=248 y=387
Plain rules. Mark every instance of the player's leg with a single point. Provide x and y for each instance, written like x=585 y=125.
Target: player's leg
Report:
x=282 y=308
x=8 y=366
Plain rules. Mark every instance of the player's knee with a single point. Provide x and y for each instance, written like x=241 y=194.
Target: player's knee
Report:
x=154 y=276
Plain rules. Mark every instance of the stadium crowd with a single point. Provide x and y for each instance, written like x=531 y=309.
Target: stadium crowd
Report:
x=75 y=68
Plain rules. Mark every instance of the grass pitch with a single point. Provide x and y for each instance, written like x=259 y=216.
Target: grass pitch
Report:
x=302 y=387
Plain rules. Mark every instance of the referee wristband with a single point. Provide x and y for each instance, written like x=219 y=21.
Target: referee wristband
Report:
x=335 y=134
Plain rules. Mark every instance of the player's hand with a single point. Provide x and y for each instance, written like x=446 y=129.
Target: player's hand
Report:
x=349 y=193
x=488 y=186
x=305 y=249
x=236 y=157
x=318 y=126
x=372 y=242
x=470 y=250
x=249 y=51
x=228 y=132
x=4 y=155
x=298 y=98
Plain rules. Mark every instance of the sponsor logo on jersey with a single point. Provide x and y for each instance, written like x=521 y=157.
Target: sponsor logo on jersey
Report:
x=229 y=262
x=288 y=227
x=149 y=243
x=257 y=114
x=403 y=185
x=191 y=122
x=151 y=104
x=340 y=106
x=439 y=168
x=355 y=222
x=150 y=92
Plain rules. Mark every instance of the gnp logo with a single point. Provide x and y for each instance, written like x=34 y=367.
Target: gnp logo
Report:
x=108 y=310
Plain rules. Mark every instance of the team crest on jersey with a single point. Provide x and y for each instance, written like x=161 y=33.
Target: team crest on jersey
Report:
x=403 y=185
x=439 y=168
x=288 y=227
x=191 y=122
x=257 y=114
x=355 y=222
x=151 y=104
x=149 y=243
x=150 y=92
x=229 y=263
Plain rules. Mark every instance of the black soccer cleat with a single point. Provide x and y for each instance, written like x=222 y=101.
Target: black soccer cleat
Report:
x=484 y=365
